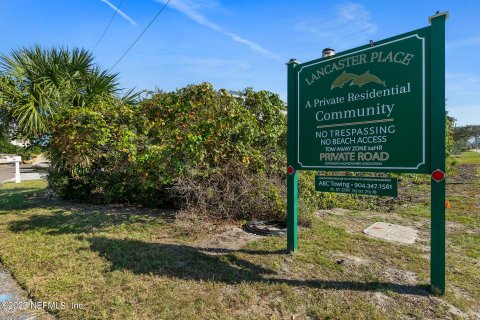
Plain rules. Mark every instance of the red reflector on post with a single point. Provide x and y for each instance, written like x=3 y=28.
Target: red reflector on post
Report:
x=290 y=170
x=438 y=175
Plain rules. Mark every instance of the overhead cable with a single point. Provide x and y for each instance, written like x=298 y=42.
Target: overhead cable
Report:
x=108 y=26
x=141 y=34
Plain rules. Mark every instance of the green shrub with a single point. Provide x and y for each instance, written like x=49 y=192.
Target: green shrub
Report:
x=196 y=148
x=91 y=149
x=215 y=153
x=7 y=147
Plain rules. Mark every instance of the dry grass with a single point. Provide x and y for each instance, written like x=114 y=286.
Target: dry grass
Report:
x=132 y=263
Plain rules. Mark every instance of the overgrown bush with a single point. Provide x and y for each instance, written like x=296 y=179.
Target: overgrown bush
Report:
x=231 y=192
x=197 y=148
x=91 y=149
x=449 y=135
x=165 y=150
x=216 y=153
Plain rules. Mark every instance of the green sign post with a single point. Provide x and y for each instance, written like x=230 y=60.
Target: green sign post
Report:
x=375 y=108
x=437 y=233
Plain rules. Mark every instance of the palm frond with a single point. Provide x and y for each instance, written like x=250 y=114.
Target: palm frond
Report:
x=36 y=82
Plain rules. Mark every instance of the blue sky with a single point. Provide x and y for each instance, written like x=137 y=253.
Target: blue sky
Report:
x=239 y=44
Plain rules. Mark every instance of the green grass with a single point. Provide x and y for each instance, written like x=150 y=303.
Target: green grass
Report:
x=469 y=157
x=122 y=262
x=13 y=195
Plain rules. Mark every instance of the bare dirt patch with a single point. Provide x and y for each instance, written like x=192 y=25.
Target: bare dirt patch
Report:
x=333 y=211
x=224 y=239
x=465 y=173
x=350 y=260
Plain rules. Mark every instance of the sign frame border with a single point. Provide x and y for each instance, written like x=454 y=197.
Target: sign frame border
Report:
x=436 y=153
x=426 y=82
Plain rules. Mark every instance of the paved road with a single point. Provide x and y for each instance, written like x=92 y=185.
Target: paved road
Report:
x=7 y=171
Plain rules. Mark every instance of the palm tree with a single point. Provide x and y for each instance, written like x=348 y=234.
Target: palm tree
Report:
x=35 y=83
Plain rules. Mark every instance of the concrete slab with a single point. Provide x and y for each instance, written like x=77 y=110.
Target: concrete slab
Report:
x=392 y=232
x=14 y=302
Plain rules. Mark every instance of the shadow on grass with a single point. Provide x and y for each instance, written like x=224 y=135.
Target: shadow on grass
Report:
x=190 y=263
x=178 y=261
x=64 y=219
x=16 y=198
x=172 y=260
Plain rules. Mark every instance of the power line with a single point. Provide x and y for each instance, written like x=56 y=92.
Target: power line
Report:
x=108 y=26
x=141 y=34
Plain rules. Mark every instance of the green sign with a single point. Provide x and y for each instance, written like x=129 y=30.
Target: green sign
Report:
x=372 y=186
x=367 y=109
x=376 y=108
